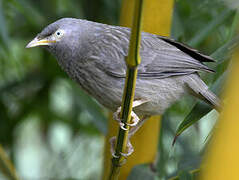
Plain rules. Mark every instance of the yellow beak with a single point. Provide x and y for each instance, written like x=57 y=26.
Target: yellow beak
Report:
x=36 y=42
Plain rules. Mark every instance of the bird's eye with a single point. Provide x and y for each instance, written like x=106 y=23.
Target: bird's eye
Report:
x=59 y=34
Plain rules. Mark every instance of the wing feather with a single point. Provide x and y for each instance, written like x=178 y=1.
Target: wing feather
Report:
x=161 y=57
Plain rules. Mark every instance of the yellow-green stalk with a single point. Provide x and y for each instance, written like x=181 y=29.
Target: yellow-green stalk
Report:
x=132 y=61
x=157 y=20
x=221 y=161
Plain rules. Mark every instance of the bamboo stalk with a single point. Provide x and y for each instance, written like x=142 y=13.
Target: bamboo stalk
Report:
x=221 y=160
x=157 y=16
x=132 y=61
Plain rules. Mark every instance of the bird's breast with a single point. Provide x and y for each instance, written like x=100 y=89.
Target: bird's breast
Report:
x=108 y=90
x=104 y=88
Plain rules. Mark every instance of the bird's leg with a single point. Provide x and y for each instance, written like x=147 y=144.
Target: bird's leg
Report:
x=136 y=124
x=132 y=131
x=130 y=148
x=135 y=118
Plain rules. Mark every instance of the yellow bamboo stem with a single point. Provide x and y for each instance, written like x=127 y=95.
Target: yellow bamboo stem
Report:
x=156 y=19
x=221 y=162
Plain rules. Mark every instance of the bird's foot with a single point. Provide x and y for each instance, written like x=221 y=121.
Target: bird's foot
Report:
x=134 y=119
x=112 y=146
x=130 y=148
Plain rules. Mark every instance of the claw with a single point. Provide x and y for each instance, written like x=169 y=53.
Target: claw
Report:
x=116 y=117
x=112 y=146
x=130 y=150
x=135 y=119
x=136 y=124
x=121 y=124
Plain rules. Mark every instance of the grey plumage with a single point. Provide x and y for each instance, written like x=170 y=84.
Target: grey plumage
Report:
x=93 y=54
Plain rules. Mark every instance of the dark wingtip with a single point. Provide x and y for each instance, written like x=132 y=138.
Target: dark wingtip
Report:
x=209 y=70
x=188 y=50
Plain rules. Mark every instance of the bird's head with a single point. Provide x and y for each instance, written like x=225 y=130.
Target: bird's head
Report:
x=59 y=36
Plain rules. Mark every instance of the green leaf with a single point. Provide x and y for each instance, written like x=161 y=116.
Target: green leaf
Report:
x=29 y=12
x=203 y=34
x=200 y=109
x=234 y=26
x=4 y=38
x=142 y=172
x=221 y=54
x=177 y=29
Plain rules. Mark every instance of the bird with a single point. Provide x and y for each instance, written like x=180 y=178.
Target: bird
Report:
x=93 y=54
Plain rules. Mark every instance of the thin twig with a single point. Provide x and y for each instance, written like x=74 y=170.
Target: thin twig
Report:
x=6 y=166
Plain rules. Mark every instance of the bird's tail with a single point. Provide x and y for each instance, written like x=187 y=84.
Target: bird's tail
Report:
x=212 y=99
x=200 y=90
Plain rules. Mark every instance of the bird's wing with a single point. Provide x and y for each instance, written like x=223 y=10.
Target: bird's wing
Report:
x=161 y=57
x=169 y=58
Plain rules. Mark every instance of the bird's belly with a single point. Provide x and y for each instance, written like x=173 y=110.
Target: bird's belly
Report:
x=107 y=90
x=160 y=94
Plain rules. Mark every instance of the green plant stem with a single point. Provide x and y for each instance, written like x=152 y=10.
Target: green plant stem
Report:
x=132 y=61
x=194 y=174
x=6 y=166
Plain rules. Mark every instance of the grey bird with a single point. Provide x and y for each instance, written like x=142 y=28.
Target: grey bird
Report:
x=93 y=54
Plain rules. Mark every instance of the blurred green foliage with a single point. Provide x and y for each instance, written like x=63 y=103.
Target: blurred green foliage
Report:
x=33 y=87
x=30 y=80
x=48 y=124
